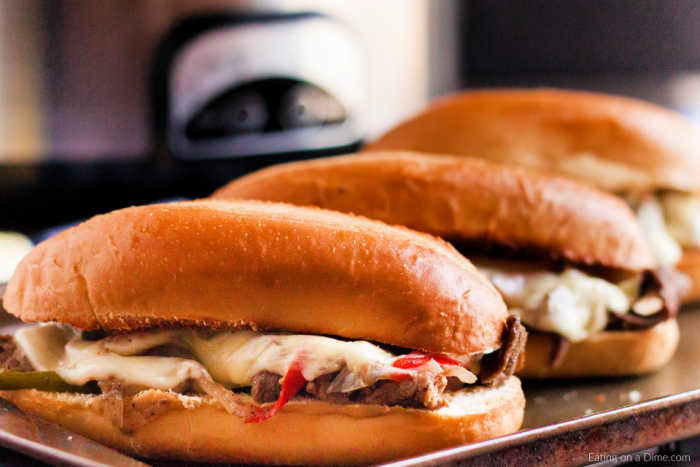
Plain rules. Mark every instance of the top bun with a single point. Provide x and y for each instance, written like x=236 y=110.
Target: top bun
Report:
x=462 y=198
x=261 y=265
x=618 y=144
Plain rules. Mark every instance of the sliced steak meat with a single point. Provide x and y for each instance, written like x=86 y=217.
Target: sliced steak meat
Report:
x=429 y=389
x=11 y=356
x=453 y=384
x=113 y=401
x=319 y=389
x=632 y=321
x=402 y=393
x=499 y=365
x=559 y=349
x=667 y=284
x=424 y=391
x=266 y=387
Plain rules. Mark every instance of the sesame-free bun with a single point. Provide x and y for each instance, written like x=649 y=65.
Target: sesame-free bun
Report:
x=263 y=265
x=462 y=199
x=616 y=143
x=690 y=266
x=608 y=353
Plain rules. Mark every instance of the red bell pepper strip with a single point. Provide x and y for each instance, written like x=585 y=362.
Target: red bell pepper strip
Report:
x=415 y=360
x=292 y=383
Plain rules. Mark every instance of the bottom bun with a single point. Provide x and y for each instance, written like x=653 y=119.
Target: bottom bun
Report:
x=690 y=266
x=190 y=428
x=611 y=353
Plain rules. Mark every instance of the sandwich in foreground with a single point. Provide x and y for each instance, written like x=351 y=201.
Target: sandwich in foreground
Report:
x=570 y=260
x=644 y=153
x=260 y=332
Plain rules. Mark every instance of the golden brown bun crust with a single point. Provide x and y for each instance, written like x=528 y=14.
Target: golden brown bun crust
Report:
x=612 y=142
x=612 y=353
x=690 y=266
x=304 y=432
x=267 y=265
x=462 y=198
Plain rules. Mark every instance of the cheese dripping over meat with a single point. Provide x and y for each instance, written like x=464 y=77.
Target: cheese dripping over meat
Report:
x=231 y=358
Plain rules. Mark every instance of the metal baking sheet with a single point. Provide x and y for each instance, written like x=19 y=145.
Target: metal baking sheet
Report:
x=577 y=421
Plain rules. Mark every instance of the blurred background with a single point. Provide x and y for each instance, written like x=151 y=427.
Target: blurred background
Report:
x=108 y=103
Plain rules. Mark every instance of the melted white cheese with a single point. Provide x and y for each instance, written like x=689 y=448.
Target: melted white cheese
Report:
x=231 y=358
x=51 y=348
x=234 y=358
x=682 y=214
x=570 y=303
x=664 y=246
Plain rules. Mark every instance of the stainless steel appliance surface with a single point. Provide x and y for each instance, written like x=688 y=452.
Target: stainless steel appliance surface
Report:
x=86 y=80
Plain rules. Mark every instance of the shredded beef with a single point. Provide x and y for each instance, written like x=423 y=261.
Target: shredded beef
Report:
x=11 y=357
x=559 y=349
x=453 y=384
x=422 y=392
x=319 y=389
x=499 y=365
x=668 y=284
x=113 y=401
x=266 y=387
x=632 y=321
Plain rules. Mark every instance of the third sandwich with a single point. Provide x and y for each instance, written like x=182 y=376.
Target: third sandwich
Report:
x=645 y=153
x=570 y=260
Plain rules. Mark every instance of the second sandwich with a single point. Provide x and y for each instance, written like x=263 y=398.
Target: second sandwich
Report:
x=569 y=259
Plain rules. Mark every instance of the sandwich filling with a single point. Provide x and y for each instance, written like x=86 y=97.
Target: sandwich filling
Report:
x=573 y=305
x=272 y=368
x=570 y=303
x=671 y=222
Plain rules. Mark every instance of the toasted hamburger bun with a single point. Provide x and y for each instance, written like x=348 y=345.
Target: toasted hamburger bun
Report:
x=690 y=266
x=462 y=199
x=616 y=143
x=305 y=432
x=226 y=265
x=609 y=353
